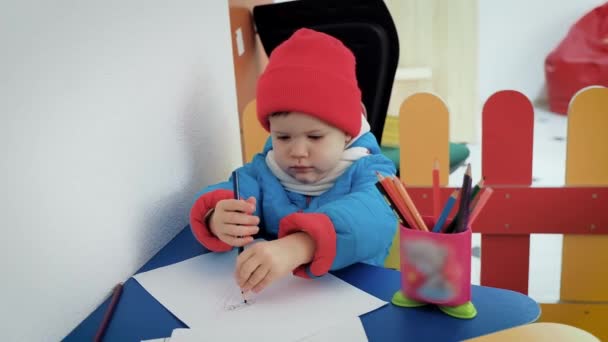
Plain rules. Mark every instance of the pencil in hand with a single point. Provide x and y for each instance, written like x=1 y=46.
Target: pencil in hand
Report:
x=237 y=196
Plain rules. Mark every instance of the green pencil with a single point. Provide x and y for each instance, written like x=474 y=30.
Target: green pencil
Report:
x=476 y=189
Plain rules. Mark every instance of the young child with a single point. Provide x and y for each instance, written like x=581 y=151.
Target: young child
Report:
x=311 y=192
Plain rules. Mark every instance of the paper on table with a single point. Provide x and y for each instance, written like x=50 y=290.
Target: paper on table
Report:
x=348 y=330
x=202 y=292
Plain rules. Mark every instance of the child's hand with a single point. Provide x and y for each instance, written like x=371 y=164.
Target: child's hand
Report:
x=233 y=222
x=264 y=262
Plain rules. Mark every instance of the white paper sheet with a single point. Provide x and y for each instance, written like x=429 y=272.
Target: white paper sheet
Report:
x=348 y=330
x=202 y=292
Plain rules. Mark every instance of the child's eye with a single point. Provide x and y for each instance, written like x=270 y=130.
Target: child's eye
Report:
x=283 y=137
x=315 y=137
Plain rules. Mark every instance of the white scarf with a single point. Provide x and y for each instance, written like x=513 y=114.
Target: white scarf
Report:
x=349 y=156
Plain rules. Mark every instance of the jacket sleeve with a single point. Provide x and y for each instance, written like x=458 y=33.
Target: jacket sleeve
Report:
x=207 y=199
x=357 y=227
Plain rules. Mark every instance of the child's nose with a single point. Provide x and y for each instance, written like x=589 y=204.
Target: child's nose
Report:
x=299 y=150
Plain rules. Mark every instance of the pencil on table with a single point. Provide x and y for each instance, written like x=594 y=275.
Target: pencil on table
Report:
x=107 y=317
x=410 y=205
x=436 y=194
x=447 y=208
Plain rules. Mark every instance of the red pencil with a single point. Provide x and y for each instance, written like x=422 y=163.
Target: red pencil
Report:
x=109 y=312
x=480 y=203
x=436 y=194
x=399 y=202
x=410 y=205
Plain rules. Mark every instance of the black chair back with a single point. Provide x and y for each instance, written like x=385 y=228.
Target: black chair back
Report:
x=364 y=26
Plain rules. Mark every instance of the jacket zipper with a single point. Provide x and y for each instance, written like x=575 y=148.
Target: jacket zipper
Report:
x=308 y=199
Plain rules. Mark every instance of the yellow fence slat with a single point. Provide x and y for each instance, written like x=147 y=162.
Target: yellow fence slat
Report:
x=423 y=137
x=585 y=258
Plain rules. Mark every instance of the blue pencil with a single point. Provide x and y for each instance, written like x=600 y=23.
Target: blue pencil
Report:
x=447 y=208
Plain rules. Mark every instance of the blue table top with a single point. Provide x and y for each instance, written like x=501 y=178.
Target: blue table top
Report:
x=138 y=316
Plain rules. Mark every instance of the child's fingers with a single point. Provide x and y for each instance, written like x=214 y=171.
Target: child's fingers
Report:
x=240 y=231
x=237 y=241
x=237 y=205
x=239 y=218
x=256 y=277
x=246 y=264
x=268 y=279
x=252 y=200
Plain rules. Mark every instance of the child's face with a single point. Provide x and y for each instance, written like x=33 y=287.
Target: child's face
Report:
x=306 y=147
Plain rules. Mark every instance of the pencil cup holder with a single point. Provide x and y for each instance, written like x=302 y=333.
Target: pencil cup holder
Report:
x=436 y=269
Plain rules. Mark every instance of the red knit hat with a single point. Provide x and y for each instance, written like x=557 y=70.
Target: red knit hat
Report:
x=313 y=73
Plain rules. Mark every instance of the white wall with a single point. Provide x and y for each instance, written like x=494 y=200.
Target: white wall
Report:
x=113 y=113
x=516 y=36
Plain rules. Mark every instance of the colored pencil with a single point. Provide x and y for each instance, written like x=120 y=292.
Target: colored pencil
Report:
x=476 y=189
x=447 y=208
x=465 y=200
x=400 y=205
x=436 y=193
x=410 y=205
x=237 y=196
x=451 y=228
x=407 y=214
x=483 y=199
x=390 y=203
x=107 y=317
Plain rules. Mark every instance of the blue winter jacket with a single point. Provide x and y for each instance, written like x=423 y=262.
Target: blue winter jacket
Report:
x=351 y=222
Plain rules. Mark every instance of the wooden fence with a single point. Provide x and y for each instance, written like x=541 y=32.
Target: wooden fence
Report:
x=579 y=209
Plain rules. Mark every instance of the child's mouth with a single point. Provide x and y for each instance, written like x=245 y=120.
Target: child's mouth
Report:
x=301 y=169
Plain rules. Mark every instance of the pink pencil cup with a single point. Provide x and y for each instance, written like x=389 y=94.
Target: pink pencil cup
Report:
x=436 y=267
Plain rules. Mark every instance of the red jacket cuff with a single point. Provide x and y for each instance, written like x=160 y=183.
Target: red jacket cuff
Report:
x=321 y=229
x=197 y=220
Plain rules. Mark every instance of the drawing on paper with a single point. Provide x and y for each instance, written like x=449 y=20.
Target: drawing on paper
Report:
x=238 y=305
x=235 y=302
